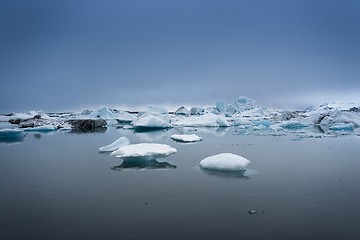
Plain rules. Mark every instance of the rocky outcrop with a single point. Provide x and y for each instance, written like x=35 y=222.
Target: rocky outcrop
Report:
x=87 y=124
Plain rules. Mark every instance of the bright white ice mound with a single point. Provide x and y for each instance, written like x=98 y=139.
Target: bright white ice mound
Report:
x=225 y=162
x=186 y=137
x=206 y=120
x=146 y=151
x=122 y=141
x=151 y=121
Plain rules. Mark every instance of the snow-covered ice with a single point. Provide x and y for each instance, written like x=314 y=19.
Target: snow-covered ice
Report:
x=147 y=151
x=186 y=137
x=151 y=122
x=120 y=142
x=206 y=120
x=225 y=162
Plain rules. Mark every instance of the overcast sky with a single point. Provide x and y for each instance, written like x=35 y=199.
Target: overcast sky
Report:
x=64 y=55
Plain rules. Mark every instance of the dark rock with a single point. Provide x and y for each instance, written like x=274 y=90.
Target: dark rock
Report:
x=27 y=124
x=252 y=212
x=87 y=124
x=354 y=109
x=15 y=121
x=38 y=116
x=321 y=117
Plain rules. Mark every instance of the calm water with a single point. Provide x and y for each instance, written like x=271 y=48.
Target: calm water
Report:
x=60 y=187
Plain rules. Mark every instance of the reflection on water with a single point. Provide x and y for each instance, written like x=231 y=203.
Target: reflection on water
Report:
x=10 y=137
x=140 y=163
x=226 y=174
x=217 y=131
x=92 y=130
x=153 y=136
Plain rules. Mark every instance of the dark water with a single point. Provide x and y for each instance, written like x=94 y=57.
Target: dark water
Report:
x=60 y=187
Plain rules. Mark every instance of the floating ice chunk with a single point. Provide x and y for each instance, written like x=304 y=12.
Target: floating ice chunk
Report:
x=120 y=142
x=342 y=127
x=186 y=137
x=182 y=111
x=44 y=128
x=207 y=120
x=225 y=162
x=146 y=151
x=151 y=122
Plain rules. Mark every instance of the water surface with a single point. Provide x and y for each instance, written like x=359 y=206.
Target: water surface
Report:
x=61 y=187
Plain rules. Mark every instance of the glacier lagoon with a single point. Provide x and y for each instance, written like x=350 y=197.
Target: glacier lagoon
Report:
x=56 y=185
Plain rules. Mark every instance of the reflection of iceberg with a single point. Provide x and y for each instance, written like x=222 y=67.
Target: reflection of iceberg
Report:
x=140 y=163
x=144 y=151
x=11 y=135
x=226 y=174
x=159 y=135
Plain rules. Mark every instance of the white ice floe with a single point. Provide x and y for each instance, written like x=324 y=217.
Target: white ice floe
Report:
x=151 y=121
x=145 y=151
x=186 y=137
x=120 y=142
x=225 y=162
x=206 y=120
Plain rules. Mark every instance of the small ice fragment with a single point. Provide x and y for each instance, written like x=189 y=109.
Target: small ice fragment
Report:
x=252 y=212
x=186 y=137
x=120 y=142
x=225 y=162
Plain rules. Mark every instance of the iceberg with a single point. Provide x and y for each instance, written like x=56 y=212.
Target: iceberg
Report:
x=182 y=111
x=120 y=142
x=186 y=137
x=144 y=151
x=105 y=113
x=148 y=122
x=225 y=162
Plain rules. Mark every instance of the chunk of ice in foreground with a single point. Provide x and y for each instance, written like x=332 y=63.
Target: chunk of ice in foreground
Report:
x=147 y=151
x=186 y=137
x=120 y=142
x=225 y=162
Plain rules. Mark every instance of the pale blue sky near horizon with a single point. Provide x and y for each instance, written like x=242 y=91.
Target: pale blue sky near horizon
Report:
x=64 y=55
